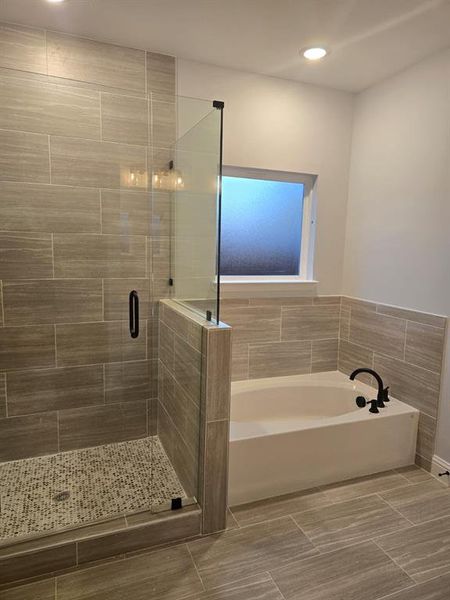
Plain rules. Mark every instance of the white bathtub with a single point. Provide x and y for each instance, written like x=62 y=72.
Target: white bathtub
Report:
x=297 y=432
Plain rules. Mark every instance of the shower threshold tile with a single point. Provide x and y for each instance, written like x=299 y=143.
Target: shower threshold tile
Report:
x=95 y=483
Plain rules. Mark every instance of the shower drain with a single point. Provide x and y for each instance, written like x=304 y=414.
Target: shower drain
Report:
x=61 y=496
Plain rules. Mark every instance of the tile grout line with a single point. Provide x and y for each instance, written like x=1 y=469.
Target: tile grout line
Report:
x=100 y=116
x=49 y=159
x=416 y=584
x=2 y=303
x=195 y=567
x=314 y=547
x=56 y=347
x=53 y=254
x=395 y=510
x=57 y=432
x=6 y=394
x=80 y=139
x=100 y=197
x=405 y=333
x=393 y=560
x=276 y=584
x=104 y=382
x=46 y=53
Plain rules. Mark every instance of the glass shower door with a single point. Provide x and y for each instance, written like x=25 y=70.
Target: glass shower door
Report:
x=132 y=381
x=75 y=374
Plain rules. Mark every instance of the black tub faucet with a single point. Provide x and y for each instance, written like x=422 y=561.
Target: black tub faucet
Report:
x=382 y=395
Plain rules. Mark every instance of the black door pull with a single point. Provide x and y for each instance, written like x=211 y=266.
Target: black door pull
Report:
x=134 y=314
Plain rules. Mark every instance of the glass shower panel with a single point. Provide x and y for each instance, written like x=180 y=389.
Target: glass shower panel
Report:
x=196 y=214
x=188 y=183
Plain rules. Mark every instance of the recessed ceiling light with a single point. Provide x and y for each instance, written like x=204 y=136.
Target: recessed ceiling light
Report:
x=314 y=53
x=55 y=1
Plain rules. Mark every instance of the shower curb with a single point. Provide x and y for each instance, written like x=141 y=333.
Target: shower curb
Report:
x=71 y=549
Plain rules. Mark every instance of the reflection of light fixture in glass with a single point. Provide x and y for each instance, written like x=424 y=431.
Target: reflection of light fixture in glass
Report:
x=168 y=179
x=131 y=177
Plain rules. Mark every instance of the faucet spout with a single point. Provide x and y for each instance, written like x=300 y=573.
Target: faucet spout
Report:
x=382 y=392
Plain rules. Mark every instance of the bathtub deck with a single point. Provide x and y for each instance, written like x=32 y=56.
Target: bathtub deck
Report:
x=376 y=537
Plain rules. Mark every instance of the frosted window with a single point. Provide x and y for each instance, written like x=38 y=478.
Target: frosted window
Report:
x=261 y=226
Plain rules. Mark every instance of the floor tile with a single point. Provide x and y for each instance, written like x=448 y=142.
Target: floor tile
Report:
x=167 y=574
x=422 y=551
x=436 y=589
x=239 y=553
x=420 y=502
x=360 y=572
x=414 y=474
x=258 y=587
x=346 y=523
x=263 y=510
x=363 y=486
x=41 y=590
x=231 y=521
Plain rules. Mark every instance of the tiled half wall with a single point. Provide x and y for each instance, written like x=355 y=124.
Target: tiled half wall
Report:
x=194 y=406
x=285 y=336
x=77 y=233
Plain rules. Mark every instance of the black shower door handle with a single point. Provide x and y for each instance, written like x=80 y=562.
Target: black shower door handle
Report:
x=134 y=314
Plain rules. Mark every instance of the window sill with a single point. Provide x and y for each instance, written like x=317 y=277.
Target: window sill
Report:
x=244 y=287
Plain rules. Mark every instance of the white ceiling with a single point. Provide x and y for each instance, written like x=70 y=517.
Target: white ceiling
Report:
x=369 y=39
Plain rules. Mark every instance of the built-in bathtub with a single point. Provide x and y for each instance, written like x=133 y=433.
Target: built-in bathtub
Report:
x=297 y=432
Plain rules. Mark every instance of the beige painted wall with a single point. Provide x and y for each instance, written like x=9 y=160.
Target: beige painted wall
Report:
x=281 y=125
x=395 y=227
x=398 y=222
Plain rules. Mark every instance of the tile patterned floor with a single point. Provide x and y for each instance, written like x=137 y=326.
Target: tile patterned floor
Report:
x=104 y=481
x=367 y=539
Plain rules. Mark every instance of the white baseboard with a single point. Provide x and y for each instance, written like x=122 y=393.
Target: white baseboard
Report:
x=439 y=465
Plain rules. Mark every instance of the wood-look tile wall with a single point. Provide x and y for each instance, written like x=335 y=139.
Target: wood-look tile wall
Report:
x=406 y=347
x=180 y=382
x=194 y=407
x=77 y=235
x=274 y=337
x=288 y=336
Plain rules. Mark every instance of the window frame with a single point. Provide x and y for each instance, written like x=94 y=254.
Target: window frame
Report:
x=308 y=235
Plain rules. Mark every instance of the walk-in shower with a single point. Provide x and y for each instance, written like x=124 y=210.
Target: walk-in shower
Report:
x=109 y=202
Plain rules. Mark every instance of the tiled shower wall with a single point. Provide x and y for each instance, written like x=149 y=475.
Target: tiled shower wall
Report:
x=79 y=228
x=287 y=336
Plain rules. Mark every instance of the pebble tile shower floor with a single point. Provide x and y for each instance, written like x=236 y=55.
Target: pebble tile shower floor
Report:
x=102 y=482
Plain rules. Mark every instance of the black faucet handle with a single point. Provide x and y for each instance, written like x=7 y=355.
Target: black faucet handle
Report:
x=374 y=406
x=361 y=402
x=386 y=394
